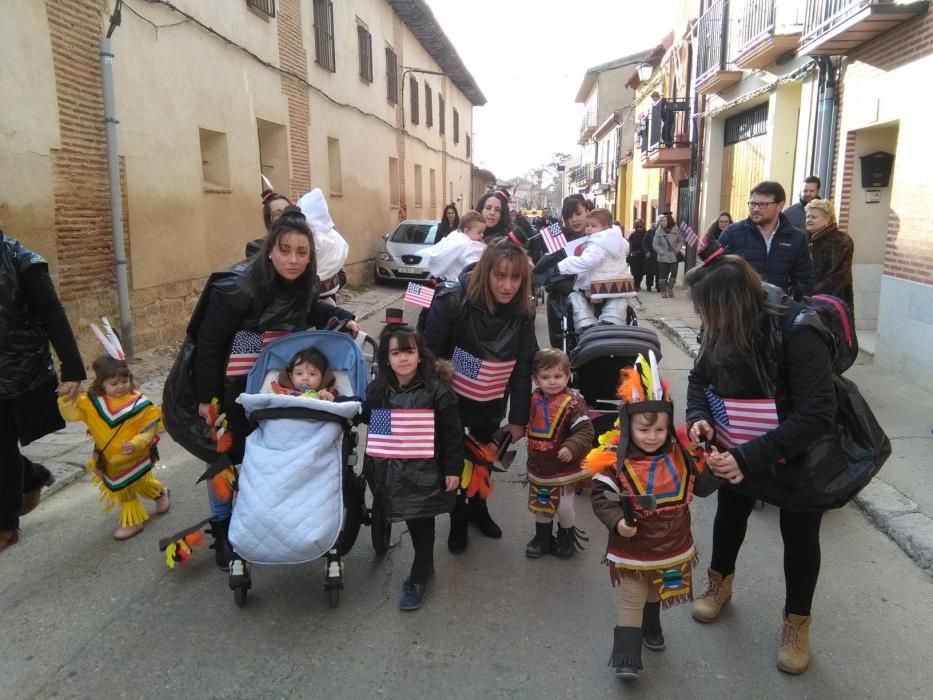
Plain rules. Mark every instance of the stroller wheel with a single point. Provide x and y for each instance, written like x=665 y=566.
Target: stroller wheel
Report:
x=333 y=597
x=239 y=596
x=380 y=530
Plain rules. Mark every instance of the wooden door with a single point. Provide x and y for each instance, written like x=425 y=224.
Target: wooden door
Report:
x=743 y=167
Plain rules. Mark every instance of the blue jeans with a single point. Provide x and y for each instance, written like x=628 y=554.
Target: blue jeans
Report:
x=219 y=509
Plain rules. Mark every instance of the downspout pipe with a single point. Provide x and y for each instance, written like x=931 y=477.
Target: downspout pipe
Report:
x=116 y=200
x=826 y=124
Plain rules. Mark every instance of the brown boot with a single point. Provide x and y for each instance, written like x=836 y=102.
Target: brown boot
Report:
x=794 y=655
x=8 y=538
x=707 y=606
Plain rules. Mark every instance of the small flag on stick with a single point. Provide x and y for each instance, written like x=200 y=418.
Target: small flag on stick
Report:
x=689 y=234
x=554 y=238
x=419 y=294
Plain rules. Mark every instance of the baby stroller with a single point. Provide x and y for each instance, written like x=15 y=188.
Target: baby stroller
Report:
x=571 y=339
x=299 y=498
x=595 y=363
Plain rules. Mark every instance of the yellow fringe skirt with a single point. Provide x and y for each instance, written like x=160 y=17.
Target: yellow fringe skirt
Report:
x=132 y=511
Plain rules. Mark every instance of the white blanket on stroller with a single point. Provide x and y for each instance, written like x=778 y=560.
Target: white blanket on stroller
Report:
x=289 y=507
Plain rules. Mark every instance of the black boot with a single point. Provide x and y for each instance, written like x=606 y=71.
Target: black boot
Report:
x=569 y=539
x=479 y=514
x=459 y=526
x=218 y=530
x=651 y=627
x=542 y=543
x=626 y=653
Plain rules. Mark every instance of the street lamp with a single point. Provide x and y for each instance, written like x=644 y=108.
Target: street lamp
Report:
x=644 y=72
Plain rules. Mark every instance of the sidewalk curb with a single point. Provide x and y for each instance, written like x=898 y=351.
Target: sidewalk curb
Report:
x=889 y=510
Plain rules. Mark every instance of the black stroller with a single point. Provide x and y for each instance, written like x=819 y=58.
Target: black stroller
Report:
x=600 y=353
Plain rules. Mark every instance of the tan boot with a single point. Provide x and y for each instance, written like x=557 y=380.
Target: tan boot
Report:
x=8 y=538
x=707 y=606
x=794 y=635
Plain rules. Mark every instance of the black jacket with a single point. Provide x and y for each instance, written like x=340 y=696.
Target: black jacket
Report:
x=227 y=305
x=30 y=316
x=454 y=321
x=791 y=363
x=787 y=265
x=415 y=488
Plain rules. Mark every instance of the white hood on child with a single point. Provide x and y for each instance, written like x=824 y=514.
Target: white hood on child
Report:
x=330 y=248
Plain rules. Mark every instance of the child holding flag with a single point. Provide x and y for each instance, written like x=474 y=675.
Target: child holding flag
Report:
x=414 y=446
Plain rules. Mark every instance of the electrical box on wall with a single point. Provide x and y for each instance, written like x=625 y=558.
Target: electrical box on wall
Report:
x=876 y=169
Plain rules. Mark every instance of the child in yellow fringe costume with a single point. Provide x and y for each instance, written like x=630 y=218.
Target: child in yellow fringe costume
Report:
x=123 y=424
x=651 y=560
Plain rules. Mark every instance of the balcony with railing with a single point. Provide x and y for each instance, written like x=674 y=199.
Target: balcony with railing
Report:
x=582 y=175
x=588 y=127
x=835 y=27
x=664 y=134
x=766 y=30
x=715 y=72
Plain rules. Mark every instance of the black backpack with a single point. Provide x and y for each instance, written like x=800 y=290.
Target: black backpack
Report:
x=836 y=318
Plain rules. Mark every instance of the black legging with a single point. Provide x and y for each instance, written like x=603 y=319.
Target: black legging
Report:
x=801 y=535
x=421 y=531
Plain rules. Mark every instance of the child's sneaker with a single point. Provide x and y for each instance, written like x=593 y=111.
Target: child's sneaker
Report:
x=412 y=595
x=125 y=533
x=163 y=502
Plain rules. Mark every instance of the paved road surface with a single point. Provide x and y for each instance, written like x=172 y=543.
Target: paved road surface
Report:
x=86 y=617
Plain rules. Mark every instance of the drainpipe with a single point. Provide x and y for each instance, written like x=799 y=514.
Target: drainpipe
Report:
x=825 y=125
x=113 y=174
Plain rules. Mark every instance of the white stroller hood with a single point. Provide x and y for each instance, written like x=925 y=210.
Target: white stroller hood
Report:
x=330 y=248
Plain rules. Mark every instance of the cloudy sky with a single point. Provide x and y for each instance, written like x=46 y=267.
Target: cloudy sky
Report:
x=529 y=57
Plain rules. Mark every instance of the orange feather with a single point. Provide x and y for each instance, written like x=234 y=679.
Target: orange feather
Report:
x=630 y=388
x=600 y=460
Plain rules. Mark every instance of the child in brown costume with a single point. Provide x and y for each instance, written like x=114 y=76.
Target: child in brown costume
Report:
x=559 y=436
x=650 y=560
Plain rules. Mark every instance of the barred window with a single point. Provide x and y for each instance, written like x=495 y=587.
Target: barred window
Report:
x=266 y=7
x=365 y=41
x=441 y=115
x=428 y=106
x=324 y=35
x=391 y=76
x=415 y=100
x=746 y=125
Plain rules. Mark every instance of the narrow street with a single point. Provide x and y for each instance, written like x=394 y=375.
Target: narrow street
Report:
x=87 y=617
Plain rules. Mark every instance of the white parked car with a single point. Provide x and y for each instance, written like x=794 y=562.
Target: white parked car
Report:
x=398 y=258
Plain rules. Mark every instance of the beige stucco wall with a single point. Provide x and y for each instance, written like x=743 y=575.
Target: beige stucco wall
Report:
x=28 y=127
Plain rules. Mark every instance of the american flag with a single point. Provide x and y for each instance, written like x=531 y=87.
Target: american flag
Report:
x=689 y=234
x=554 y=238
x=401 y=433
x=479 y=380
x=246 y=348
x=739 y=420
x=419 y=294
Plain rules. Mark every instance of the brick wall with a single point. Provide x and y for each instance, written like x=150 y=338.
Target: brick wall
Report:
x=845 y=187
x=79 y=167
x=399 y=47
x=293 y=57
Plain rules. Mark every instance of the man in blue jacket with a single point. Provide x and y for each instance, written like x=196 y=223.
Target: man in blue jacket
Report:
x=770 y=244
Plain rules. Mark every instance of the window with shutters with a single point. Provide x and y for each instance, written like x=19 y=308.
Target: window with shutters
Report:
x=441 y=115
x=391 y=76
x=456 y=126
x=365 y=41
x=415 y=100
x=428 y=106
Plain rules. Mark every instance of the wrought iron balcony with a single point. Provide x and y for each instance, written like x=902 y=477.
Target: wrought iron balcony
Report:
x=588 y=127
x=582 y=175
x=835 y=27
x=715 y=71
x=664 y=134
x=768 y=29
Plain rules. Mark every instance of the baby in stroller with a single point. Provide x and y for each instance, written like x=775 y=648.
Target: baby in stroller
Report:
x=289 y=506
x=602 y=274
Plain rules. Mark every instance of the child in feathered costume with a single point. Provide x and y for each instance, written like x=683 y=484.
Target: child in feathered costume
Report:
x=124 y=425
x=559 y=436
x=652 y=559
